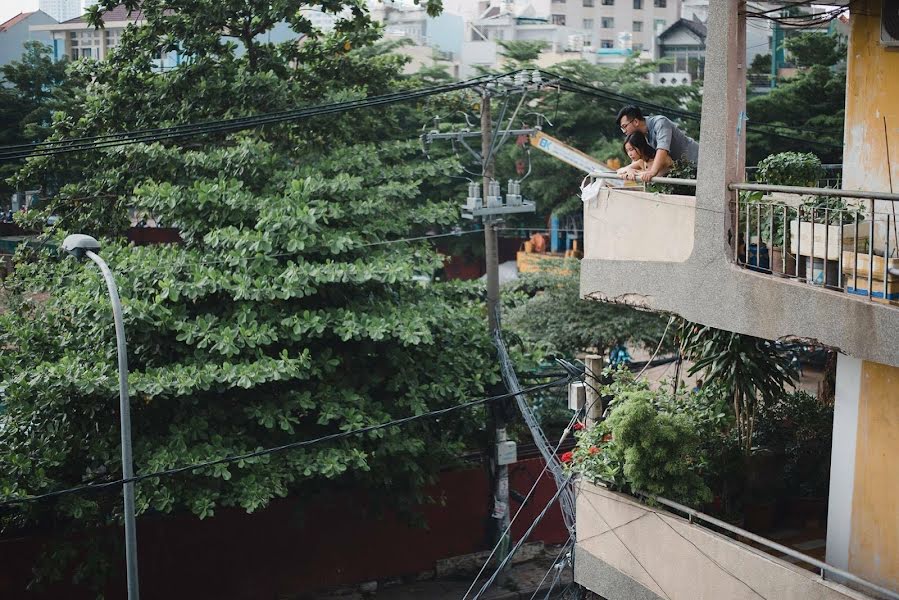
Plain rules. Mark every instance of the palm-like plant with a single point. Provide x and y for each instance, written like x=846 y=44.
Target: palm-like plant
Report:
x=754 y=370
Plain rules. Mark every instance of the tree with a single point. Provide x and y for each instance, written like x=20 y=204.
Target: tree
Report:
x=549 y=309
x=811 y=48
x=761 y=65
x=26 y=100
x=285 y=314
x=753 y=371
x=521 y=54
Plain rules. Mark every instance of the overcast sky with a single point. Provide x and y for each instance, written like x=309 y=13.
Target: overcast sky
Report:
x=10 y=8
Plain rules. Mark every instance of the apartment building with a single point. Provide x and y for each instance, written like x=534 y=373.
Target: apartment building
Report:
x=833 y=282
x=610 y=24
x=62 y=10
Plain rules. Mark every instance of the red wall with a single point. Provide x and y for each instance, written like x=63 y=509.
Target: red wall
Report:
x=279 y=552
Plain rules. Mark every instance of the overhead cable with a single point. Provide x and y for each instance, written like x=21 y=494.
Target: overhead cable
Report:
x=266 y=451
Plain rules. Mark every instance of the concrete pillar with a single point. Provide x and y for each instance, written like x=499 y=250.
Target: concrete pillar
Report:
x=863 y=510
x=722 y=153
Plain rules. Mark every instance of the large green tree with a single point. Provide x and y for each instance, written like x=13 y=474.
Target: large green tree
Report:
x=27 y=90
x=286 y=312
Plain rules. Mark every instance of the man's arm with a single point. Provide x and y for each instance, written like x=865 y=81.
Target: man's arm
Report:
x=658 y=163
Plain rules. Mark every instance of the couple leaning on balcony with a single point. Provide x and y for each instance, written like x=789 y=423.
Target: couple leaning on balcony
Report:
x=653 y=144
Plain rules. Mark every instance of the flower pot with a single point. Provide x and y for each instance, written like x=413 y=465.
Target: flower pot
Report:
x=778 y=258
x=758 y=258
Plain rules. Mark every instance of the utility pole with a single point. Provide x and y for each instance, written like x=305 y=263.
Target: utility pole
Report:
x=501 y=478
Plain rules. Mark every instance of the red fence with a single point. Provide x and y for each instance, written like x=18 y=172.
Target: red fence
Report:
x=281 y=552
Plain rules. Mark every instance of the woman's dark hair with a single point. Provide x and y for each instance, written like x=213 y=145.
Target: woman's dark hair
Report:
x=631 y=112
x=638 y=141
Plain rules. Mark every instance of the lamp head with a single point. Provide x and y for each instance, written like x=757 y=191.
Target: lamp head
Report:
x=78 y=243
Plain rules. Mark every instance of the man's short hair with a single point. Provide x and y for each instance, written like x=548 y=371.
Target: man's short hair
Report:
x=631 y=112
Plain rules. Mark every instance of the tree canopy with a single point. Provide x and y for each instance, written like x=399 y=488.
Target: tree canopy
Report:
x=291 y=309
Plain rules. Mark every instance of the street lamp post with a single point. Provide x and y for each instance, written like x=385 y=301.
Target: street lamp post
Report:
x=79 y=246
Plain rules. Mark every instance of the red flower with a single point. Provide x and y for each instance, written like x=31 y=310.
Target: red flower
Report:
x=566 y=457
x=578 y=426
x=608 y=437
x=594 y=450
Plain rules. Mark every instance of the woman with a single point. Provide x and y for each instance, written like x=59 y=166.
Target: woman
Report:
x=642 y=155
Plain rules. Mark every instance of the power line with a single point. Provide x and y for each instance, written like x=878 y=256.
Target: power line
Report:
x=53 y=147
x=273 y=450
x=763 y=128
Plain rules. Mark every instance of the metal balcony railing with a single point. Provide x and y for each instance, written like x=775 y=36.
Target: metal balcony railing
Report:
x=836 y=239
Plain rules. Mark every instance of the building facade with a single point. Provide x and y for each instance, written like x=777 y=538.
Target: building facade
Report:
x=16 y=31
x=610 y=24
x=62 y=10
x=690 y=255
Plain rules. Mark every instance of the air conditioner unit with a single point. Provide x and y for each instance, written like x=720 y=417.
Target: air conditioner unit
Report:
x=889 y=23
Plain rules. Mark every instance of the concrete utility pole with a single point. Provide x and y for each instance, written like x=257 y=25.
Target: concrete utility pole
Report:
x=501 y=481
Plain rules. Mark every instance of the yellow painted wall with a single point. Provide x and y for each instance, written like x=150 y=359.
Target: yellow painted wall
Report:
x=872 y=93
x=874 y=543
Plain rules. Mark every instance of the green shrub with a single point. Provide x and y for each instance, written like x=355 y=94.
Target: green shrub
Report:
x=790 y=168
x=643 y=446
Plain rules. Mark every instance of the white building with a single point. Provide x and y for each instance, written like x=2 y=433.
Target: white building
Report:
x=75 y=38
x=612 y=24
x=62 y=10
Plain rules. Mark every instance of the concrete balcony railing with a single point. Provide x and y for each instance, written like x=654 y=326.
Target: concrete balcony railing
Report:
x=627 y=550
x=770 y=268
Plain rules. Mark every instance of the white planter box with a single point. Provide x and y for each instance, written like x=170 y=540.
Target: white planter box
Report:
x=816 y=239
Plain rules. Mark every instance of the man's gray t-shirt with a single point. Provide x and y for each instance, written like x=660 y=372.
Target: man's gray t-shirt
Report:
x=662 y=134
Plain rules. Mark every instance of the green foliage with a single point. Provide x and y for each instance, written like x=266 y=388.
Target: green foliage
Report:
x=26 y=100
x=681 y=169
x=643 y=446
x=811 y=48
x=761 y=65
x=547 y=307
x=810 y=106
x=752 y=370
x=282 y=316
x=274 y=321
x=520 y=54
x=800 y=427
x=790 y=168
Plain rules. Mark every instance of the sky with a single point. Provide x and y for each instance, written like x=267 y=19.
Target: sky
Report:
x=10 y=8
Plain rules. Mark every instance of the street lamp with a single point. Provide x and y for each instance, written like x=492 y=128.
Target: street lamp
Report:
x=79 y=246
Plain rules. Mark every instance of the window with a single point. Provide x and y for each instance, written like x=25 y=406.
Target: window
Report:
x=658 y=25
x=607 y=23
x=606 y=43
x=638 y=4
x=637 y=26
x=558 y=19
x=661 y=3
x=588 y=3
x=608 y=2
x=637 y=48
x=558 y=1
x=588 y=23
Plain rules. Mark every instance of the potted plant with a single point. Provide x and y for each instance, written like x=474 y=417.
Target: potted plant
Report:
x=789 y=169
x=824 y=227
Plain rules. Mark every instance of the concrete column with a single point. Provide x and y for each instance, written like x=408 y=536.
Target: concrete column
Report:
x=722 y=153
x=863 y=511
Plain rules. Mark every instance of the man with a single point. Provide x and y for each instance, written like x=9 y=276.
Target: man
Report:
x=662 y=134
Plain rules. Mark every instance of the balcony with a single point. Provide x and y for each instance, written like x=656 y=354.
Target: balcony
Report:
x=759 y=260
x=628 y=550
